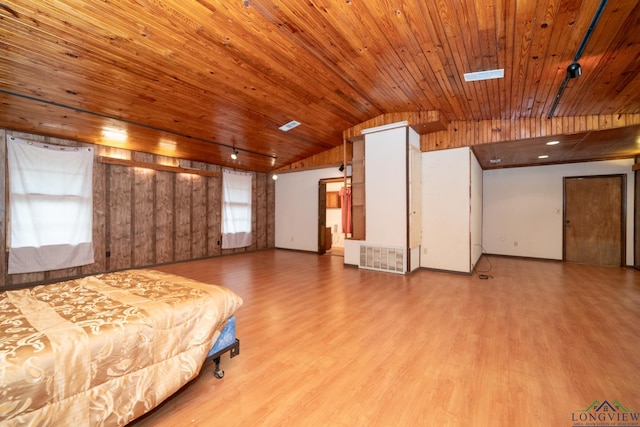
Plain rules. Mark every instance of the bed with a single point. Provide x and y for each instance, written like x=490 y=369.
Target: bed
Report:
x=105 y=349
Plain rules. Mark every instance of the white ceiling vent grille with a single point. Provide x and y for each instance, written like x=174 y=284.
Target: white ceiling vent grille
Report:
x=289 y=126
x=484 y=75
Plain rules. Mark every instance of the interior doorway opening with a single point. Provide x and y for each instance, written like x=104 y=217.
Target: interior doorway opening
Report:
x=334 y=215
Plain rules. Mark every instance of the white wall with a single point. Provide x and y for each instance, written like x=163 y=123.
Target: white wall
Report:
x=476 y=210
x=524 y=205
x=446 y=208
x=386 y=187
x=296 y=213
x=415 y=199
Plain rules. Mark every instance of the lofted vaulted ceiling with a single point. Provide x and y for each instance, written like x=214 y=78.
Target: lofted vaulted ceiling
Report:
x=194 y=79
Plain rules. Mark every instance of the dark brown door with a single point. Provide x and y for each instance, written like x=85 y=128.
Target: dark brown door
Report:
x=594 y=219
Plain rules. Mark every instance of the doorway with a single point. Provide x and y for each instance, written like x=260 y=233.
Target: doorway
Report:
x=331 y=233
x=594 y=229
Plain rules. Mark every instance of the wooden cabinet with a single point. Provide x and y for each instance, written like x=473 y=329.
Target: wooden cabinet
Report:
x=333 y=200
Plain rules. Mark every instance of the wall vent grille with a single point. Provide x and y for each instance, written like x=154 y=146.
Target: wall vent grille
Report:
x=383 y=258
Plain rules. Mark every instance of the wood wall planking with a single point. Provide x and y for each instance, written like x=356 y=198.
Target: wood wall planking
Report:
x=270 y=209
x=468 y=133
x=214 y=211
x=183 y=217
x=145 y=217
x=165 y=212
x=199 y=219
x=261 y=224
x=120 y=212
x=99 y=219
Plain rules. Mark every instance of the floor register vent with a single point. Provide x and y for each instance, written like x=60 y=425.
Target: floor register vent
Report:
x=383 y=258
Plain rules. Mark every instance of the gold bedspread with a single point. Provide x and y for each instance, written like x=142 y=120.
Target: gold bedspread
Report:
x=105 y=349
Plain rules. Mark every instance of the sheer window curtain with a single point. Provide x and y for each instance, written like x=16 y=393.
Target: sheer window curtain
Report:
x=236 y=209
x=51 y=206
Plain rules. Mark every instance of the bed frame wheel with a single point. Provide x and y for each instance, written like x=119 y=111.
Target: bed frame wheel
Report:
x=233 y=349
x=217 y=372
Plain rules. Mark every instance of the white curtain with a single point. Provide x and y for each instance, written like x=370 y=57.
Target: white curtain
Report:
x=236 y=209
x=51 y=206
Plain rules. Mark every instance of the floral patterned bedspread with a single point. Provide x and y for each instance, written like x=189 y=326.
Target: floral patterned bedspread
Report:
x=104 y=349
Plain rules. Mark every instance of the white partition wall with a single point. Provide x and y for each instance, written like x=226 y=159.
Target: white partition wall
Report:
x=476 y=215
x=446 y=210
x=386 y=187
x=296 y=215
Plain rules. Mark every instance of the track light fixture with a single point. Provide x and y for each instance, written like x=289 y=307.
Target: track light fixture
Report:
x=341 y=168
x=234 y=155
x=574 y=70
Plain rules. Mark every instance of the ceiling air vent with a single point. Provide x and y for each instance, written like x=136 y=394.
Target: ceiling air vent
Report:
x=484 y=75
x=289 y=126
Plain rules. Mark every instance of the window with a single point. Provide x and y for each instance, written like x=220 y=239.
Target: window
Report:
x=51 y=206
x=236 y=209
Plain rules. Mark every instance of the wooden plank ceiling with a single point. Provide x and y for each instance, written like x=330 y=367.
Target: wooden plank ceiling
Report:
x=194 y=79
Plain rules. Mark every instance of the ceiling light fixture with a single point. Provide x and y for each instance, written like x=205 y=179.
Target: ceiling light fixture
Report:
x=114 y=134
x=543 y=156
x=234 y=154
x=553 y=142
x=484 y=75
x=574 y=69
x=274 y=176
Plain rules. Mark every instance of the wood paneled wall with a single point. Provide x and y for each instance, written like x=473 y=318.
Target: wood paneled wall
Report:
x=146 y=217
x=468 y=133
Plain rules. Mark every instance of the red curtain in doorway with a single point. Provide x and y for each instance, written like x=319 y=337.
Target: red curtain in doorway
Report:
x=345 y=196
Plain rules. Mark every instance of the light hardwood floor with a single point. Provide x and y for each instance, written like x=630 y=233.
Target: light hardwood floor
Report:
x=328 y=345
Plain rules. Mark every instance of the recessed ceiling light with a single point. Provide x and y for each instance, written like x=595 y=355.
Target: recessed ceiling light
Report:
x=494 y=161
x=553 y=142
x=289 y=126
x=484 y=75
x=543 y=156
